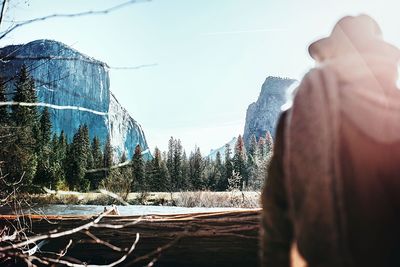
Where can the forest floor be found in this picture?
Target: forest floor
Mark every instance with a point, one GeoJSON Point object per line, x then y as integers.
{"type": "Point", "coordinates": [207, 199]}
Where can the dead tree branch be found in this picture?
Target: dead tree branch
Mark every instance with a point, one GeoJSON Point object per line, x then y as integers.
{"type": "Point", "coordinates": [29, 250]}
{"type": "Point", "coordinates": [73, 15]}
{"type": "Point", "coordinates": [3, 10]}
{"type": "Point", "coordinates": [87, 226]}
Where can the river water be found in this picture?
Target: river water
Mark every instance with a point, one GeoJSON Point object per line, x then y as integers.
{"type": "Point", "coordinates": [123, 210]}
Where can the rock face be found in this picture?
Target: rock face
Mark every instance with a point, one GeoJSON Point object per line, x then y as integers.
{"type": "Point", "coordinates": [262, 116]}
{"type": "Point", "coordinates": [76, 88]}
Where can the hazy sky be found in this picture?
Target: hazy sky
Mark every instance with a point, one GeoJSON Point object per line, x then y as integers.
{"type": "Point", "coordinates": [211, 56]}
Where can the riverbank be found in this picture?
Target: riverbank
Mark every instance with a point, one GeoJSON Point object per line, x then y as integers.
{"type": "Point", "coordinates": [206, 199]}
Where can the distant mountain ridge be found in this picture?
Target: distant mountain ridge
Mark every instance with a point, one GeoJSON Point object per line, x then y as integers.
{"type": "Point", "coordinates": [262, 115]}
{"type": "Point", "coordinates": [76, 88]}
{"type": "Point", "coordinates": [222, 149]}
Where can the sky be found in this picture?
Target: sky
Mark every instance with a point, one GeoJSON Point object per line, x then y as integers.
{"type": "Point", "coordinates": [206, 59]}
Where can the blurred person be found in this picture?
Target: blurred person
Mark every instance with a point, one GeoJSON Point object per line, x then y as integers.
{"type": "Point", "coordinates": [333, 186]}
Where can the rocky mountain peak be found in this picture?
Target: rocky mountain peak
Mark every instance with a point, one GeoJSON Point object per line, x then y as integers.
{"type": "Point", "coordinates": [262, 115]}
{"type": "Point", "coordinates": [76, 88]}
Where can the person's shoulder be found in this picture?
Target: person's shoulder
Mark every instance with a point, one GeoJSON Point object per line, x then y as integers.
{"type": "Point", "coordinates": [312, 85]}
{"type": "Point", "coordinates": [302, 88]}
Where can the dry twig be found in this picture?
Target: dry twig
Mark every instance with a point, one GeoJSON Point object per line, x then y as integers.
{"type": "Point", "coordinates": [73, 15]}
{"type": "Point", "coordinates": [15, 244]}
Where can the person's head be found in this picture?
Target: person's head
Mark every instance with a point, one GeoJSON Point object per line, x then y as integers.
{"type": "Point", "coordinates": [353, 35]}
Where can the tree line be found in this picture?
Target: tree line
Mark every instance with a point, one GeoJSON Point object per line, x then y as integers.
{"type": "Point", "coordinates": [237, 169]}
{"type": "Point", "coordinates": [174, 170]}
{"type": "Point", "coordinates": [34, 157]}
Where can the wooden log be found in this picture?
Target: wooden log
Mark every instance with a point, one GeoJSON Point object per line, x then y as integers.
{"type": "Point", "coordinates": [201, 239]}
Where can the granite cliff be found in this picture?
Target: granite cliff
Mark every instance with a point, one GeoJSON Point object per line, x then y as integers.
{"type": "Point", "coordinates": [262, 116]}
{"type": "Point", "coordinates": [76, 88]}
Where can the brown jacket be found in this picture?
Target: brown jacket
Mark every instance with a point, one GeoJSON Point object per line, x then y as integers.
{"type": "Point", "coordinates": [334, 180]}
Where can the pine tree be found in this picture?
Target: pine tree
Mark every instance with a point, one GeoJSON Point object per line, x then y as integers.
{"type": "Point", "coordinates": [77, 160]}
{"type": "Point", "coordinates": [164, 179]}
{"type": "Point", "coordinates": [85, 138]}
{"type": "Point", "coordinates": [62, 143]}
{"type": "Point", "coordinates": [56, 162]}
{"type": "Point", "coordinates": [218, 160]}
{"type": "Point", "coordinates": [170, 156]}
{"type": "Point", "coordinates": [253, 149]}
{"type": "Point", "coordinates": [239, 162]}
{"type": "Point", "coordinates": [261, 147]}
{"type": "Point", "coordinates": [177, 171]}
{"type": "Point", "coordinates": [71, 164]}
{"type": "Point", "coordinates": [195, 169]}
{"type": "Point", "coordinates": [45, 127]}
{"type": "Point", "coordinates": [126, 173]}
{"type": "Point", "coordinates": [158, 177]}
{"type": "Point", "coordinates": [185, 169]}
{"type": "Point", "coordinates": [90, 160]}
{"type": "Point", "coordinates": [253, 161]}
{"type": "Point", "coordinates": [62, 150]}
{"type": "Point", "coordinates": [147, 175]}
{"type": "Point", "coordinates": [22, 157]}
{"type": "Point", "coordinates": [138, 171]}
{"type": "Point", "coordinates": [210, 175]}
{"type": "Point", "coordinates": [174, 164]}
{"type": "Point", "coordinates": [87, 147]}
{"type": "Point", "coordinates": [97, 154]}
{"type": "Point", "coordinates": [44, 175]}
{"type": "Point", "coordinates": [228, 168]}
{"type": "Point", "coordinates": [269, 143]}
{"type": "Point", "coordinates": [95, 161]}
{"type": "Point", "coordinates": [220, 176]}
{"type": "Point", "coordinates": [84, 184]}
{"type": "Point", "coordinates": [107, 156]}
{"type": "Point", "coordinates": [24, 92]}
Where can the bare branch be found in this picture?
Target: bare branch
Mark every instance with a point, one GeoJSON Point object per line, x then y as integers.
{"type": "Point", "coordinates": [3, 10]}
{"type": "Point", "coordinates": [99, 241]}
{"type": "Point", "coordinates": [153, 256]}
{"type": "Point", "coordinates": [54, 235]}
{"type": "Point", "coordinates": [26, 253]}
{"type": "Point", "coordinates": [86, 13]}
{"type": "Point", "coordinates": [68, 263]}
{"type": "Point", "coordinates": [65, 250]}
{"type": "Point", "coordinates": [113, 195]}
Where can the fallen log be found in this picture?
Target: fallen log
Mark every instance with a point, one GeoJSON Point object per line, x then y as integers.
{"type": "Point", "coordinates": [227, 238]}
